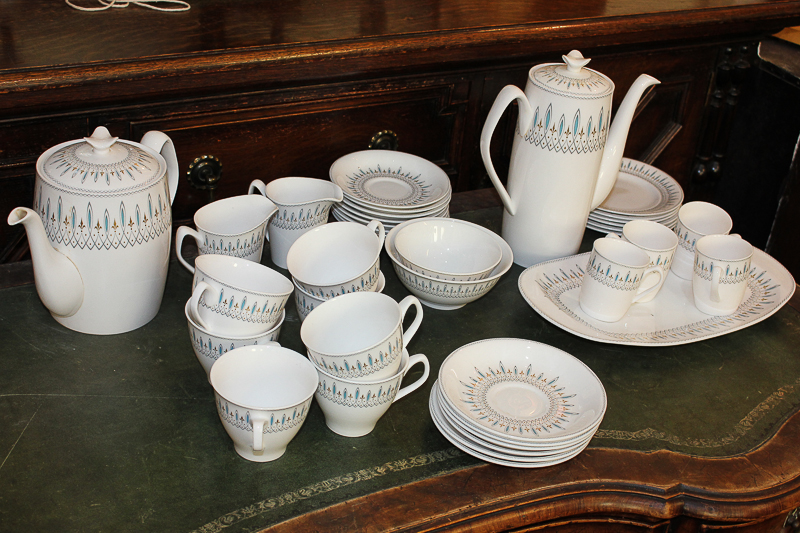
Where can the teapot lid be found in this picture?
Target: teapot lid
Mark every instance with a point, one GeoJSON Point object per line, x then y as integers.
{"type": "Point", "coordinates": [101, 164]}
{"type": "Point", "coordinates": [571, 78]}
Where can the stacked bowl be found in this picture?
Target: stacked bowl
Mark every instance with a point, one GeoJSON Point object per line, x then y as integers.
{"type": "Point", "coordinates": [389, 186]}
{"type": "Point", "coordinates": [516, 402]}
{"type": "Point", "coordinates": [234, 303]}
{"type": "Point", "coordinates": [358, 345]}
{"type": "Point", "coordinates": [447, 263]}
{"type": "Point", "coordinates": [333, 260]}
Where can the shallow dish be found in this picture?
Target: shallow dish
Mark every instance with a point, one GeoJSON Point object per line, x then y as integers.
{"type": "Point", "coordinates": [382, 178]}
{"type": "Point", "coordinates": [552, 289]}
{"type": "Point", "coordinates": [523, 389]}
{"type": "Point", "coordinates": [448, 249]}
{"type": "Point", "coordinates": [446, 295]}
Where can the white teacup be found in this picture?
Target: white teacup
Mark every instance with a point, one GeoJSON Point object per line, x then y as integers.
{"type": "Point", "coordinates": [303, 204]}
{"type": "Point", "coordinates": [613, 278]}
{"type": "Point", "coordinates": [696, 220]}
{"type": "Point", "coordinates": [305, 302]}
{"type": "Point", "coordinates": [232, 226]}
{"type": "Point", "coordinates": [359, 336]}
{"type": "Point", "coordinates": [233, 296]}
{"type": "Point", "coordinates": [352, 408]}
{"type": "Point", "coordinates": [208, 347]}
{"type": "Point", "coordinates": [337, 258]}
{"type": "Point", "coordinates": [658, 241]}
{"type": "Point", "coordinates": [263, 396]}
{"type": "Point", "coordinates": [721, 269]}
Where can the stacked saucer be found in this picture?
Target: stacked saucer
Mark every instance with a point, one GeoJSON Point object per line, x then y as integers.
{"type": "Point", "coordinates": [389, 186]}
{"type": "Point", "coordinates": [516, 402]}
{"type": "Point", "coordinates": [642, 192]}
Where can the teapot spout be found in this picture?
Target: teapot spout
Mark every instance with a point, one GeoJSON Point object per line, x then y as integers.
{"type": "Point", "coordinates": [58, 281]}
{"type": "Point", "coordinates": [617, 135]}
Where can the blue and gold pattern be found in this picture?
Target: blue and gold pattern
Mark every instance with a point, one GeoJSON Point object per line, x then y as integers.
{"type": "Point", "coordinates": [363, 366]}
{"type": "Point", "coordinates": [273, 425]}
{"type": "Point", "coordinates": [287, 219]}
{"type": "Point", "coordinates": [357, 185]}
{"type": "Point", "coordinates": [358, 398]}
{"type": "Point", "coordinates": [559, 410]}
{"type": "Point", "coordinates": [609, 274]}
{"type": "Point", "coordinates": [737, 275]}
{"type": "Point", "coordinates": [567, 136]}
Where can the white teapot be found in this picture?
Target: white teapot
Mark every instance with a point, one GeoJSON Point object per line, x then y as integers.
{"type": "Point", "coordinates": [100, 230]}
{"type": "Point", "coordinates": [565, 158]}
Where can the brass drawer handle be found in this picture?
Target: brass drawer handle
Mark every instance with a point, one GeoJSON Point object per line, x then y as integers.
{"type": "Point", "coordinates": [384, 140]}
{"type": "Point", "coordinates": [205, 172]}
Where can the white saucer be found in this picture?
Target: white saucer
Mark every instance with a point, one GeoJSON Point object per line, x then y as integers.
{"type": "Point", "coordinates": [642, 190]}
{"type": "Point", "coordinates": [552, 289]}
{"type": "Point", "coordinates": [385, 178]}
{"type": "Point", "coordinates": [522, 389]}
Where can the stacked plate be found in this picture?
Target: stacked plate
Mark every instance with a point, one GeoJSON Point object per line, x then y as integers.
{"type": "Point", "coordinates": [389, 186]}
{"type": "Point", "coordinates": [516, 402]}
{"type": "Point", "coordinates": [642, 192]}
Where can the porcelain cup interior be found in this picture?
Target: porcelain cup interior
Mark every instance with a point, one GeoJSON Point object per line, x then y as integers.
{"type": "Point", "coordinates": [303, 204]}
{"type": "Point", "coordinates": [353, 408]}
{"type": "Point", "coordinates": [234, 226]}
{"type": "Point", "coordinates": [612, 282]}
{"type": "Point", "coordinates": [233, 296]}
{"type": "Point", "coordinates": [658, 241]}
{"type": "Point", "coordinates": [263, 395]}
{"type": "Point", "coordinates": [208, 347]}
{"type": "Point", "coordinates": [448, 249]}
{"type": "Point", "coordinates": [721, 270]}
{"type": "Point", "coordinates": [337, 257]}
{"type": "Point", "coordinates": [696, 220]}
{"type": "Point", "coordinates": [360, 335]}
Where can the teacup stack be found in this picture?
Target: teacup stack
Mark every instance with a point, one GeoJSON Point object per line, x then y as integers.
{"type": "Point", "coordinates": [358, 346]}
{"type": "Point", "coordinates": [234, 303]}
{"type": "Point", "coordinates": [335, 259]}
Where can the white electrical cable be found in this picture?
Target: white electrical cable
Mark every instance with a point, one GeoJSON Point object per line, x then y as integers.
{"type": "Point", "coordinates": [179, 5]}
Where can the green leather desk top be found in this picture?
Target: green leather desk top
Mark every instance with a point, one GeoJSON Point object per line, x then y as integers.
{"type": "Point", "coordinates": [120, 433]}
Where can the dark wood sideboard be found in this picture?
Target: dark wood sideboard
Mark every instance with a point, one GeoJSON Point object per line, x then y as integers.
{"type": "Point", "coordinates": [250, 89]}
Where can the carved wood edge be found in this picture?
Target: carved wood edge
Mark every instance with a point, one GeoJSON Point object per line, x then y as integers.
{"type": "Point", "coordinates": [310, 61]}
{"type": "Point", "coordinates": [658, 485]}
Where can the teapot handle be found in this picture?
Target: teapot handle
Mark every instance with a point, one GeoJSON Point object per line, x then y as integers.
{"type": "Point", "coordinates": [162, 144]}
{"type": "Point", "coordinates": [503, 100]}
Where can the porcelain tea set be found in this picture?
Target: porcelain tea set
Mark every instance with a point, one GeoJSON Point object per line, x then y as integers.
{"type": "Point", "coordinates": [100, 231]}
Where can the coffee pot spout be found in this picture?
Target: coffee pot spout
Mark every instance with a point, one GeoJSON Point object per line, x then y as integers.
{"type": "Point", "coordinates": [58, 281]}
{"type": "Point", "coordinates": [617, 135]}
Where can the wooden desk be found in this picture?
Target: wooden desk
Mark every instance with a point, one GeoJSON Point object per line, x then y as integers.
{"type": "Point", "coordinates": [121, 433]}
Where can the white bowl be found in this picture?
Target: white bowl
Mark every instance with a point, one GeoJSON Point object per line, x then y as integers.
{"type": "Point", "coordinates": [448, 249]}
{"type": "Point", "coordinates": [337, 258]}
{"type": "Point", "coordinates": [208, 346]}
{"type": "Point", "coordinates": [307, 302]}
{"type": "Point", "coordinates": [446, 295]}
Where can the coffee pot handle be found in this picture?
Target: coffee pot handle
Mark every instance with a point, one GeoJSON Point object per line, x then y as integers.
{"type": "Point", "coordinates": [503, 100]}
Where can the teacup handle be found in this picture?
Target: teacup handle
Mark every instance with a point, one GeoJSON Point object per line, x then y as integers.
{"type": "Point", "coordinates": [194, 302]}
{"type": "Point", "coordinates": [258, 421]}
{"type": "Point", "coordinates": [181, 234]}
{"type": "Point", "coordinates": [257, 185]}
{"type": "Point", "coordinates": [661, 276]}
{"type": "Point", "coordinates": [405, 303]}
{"type": "Point", "coordinates": [413, 360]}
{"type": "Point", "coordinates": [377, 227]}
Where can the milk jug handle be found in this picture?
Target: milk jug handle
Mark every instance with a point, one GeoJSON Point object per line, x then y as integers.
{"type": "Point", "coordinates": [503, 100]}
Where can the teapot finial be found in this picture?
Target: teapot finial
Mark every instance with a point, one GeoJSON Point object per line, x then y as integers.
{"type": "Point", "coordinates": [575, 61]}
{"type": "Point", "coordinates": [101, 140]}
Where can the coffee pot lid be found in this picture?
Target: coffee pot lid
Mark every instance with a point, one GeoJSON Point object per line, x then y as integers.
{"type": "Point", "coordinates": [572, 78]}
{"type": "Point", "coordinates": [101, 164]}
